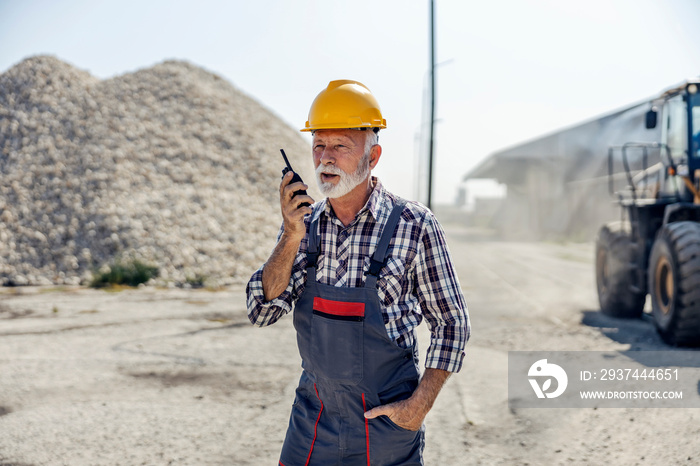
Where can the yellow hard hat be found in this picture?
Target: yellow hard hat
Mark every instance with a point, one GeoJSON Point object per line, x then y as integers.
{"type": "Point", "coordinates": [345, 104]}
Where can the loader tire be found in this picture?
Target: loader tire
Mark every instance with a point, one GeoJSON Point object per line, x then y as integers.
{"type": "Point", "coordinates": [674, 283]}
{"type": "Point", "coordinates": [614, 273]}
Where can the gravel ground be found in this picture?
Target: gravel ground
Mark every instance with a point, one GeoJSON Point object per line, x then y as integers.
{"type": "Point", "coordinates": [173, 376]}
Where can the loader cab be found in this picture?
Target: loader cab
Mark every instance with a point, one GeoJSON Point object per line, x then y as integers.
{"type": "Point", "coordinates": [679, 122]}
{"type": "Point", "coordinates": [680, 128]}
{"type": "Point", "coordinates": [674, 127]}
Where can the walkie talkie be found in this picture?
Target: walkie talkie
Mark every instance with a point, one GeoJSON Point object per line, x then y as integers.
{"type": "Point", "coordinates": [295, 178]}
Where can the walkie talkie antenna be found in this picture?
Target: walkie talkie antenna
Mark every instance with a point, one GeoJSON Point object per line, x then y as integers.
{"type": "Point", "coordinates": [295, 178]}
{"type": "Point", "coordinates": [285, 159]}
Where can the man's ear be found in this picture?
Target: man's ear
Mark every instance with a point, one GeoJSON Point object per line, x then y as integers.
{"type": "Point", "coordinates": [374, 154]}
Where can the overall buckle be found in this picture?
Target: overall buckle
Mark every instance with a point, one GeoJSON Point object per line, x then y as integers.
{"type": "Point", "coordinates": [374, 267]}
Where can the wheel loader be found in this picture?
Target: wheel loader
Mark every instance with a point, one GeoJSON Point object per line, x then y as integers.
{"type": "Point", "coordinates": [654, 248]}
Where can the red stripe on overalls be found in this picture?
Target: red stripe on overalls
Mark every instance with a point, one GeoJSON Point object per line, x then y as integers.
{"type": "Point", "coordinates": [308, 458]}
{"type": "Point", "coordinates": [339, 308]}
{"type": "Point", "coordinates": [364, 407]}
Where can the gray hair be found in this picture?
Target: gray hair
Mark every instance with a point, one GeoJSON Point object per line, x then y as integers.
{"type": "Point", "coordinates": [371, 140]}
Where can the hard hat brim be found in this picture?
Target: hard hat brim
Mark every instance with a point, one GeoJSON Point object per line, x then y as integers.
{"type": "Point", "coordinates": [309, 128]}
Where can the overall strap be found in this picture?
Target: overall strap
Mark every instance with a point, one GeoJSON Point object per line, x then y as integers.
{"type": "Point", "coordinates": [379, 257]}
{"type": "Point", "coordinates": [312, 251]}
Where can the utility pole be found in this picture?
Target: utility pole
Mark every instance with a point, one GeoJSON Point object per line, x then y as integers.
{"type": "Point", "coordinates": [431, 144]}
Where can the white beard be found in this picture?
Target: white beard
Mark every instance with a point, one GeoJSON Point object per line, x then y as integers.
{"type": "Point", "coordinates": [347, 181]}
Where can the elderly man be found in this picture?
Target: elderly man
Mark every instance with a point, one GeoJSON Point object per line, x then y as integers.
{"type": "Point", "coordinates": [361, 269]}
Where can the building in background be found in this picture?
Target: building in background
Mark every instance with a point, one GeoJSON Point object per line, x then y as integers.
{"type": "Point", "coordinates": [557, 184]}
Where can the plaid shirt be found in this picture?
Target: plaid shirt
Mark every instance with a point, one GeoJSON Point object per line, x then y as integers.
{"type": "Point", "coordinates": [418, 280]}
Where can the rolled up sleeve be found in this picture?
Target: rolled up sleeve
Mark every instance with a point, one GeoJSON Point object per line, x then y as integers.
{"type": "Point", "coordinates": [263, 313]}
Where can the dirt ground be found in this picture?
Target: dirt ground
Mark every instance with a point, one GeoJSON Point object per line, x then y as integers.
{"type": "Point", "coordinates": [159, 377]}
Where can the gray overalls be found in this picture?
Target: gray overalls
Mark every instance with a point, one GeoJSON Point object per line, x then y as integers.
{"type": "Point", "coordinates": [350, 366]}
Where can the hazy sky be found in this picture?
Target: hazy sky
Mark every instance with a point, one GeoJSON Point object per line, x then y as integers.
{"type": "Point", "coordinates": [510, 70]}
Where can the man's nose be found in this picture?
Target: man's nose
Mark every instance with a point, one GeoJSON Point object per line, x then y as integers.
{"type": "Point", "coordinates": [327, 157]}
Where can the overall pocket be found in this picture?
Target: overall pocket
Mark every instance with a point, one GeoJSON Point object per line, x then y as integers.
{"type": "Point", "coordinates": [406, 445]}
{"type": "Point", "coordinates": [337, 340]}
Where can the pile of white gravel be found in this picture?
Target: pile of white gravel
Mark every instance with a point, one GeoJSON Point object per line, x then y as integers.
{"type": "Point", "coordinates": [170, 165]}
